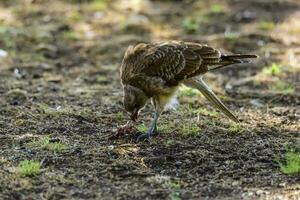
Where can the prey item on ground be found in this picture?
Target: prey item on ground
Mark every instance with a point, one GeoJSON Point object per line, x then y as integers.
{"type": "Point", "coordinates": [127, 129]}
{"type": "Point", "coordinates": [155, 71]}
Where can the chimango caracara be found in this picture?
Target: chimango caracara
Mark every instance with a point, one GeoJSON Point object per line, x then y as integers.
{"type": "Point", "coordinates": [155, 71]}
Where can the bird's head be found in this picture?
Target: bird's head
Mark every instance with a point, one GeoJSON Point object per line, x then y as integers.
{"type": "Point", "coordinates": [134, 99]}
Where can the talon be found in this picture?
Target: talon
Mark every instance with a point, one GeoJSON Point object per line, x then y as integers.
{"type": "Point", "coordinates": [143, 137]}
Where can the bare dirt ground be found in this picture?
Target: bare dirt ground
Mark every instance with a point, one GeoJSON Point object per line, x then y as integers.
{"type": "Point", "coordinates": [59, 78]}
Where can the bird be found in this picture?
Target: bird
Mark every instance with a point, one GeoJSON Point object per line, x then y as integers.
{"type": "Point", "coordinates": [154, 71]}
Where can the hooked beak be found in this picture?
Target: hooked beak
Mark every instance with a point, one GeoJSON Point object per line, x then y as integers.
{"type": "Point", "coordinates": [134, 115]}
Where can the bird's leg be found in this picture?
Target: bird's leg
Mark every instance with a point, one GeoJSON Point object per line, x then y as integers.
{"type": "Point", "coordinates": [155, 103]}
{"type": "Point", "coordinates": [155, 129]}
{"type": "Point", "coordinates": [152, 128]}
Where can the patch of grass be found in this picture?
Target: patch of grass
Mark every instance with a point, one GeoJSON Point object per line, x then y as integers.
{"type": "Point", "coordinates": [186, 109]}
{"type": "Point", "coordinates": [4, 29]}
{"type": "Point", "coordinates": [216, 8]}
{"type": "Point", "coordinates": [101, 79]}
{"type": "Point", "coordinates": [51, 112]}
{"type": "Point", "coordinates": [75, 16]}
{"type": "Point", "coordinates": [120, 115]}
{"type": "Point", "coordinates": [204, 111]}
{"type": "Point", "coordinates": [63, 110]}
{"type": "Point", "coordinates": [71, 35]}
{"type": "Point", "coordinates": [29, 168]}
{"type": "Point", "coordinates": [291, 165]}
{"type": "Point", "coordinates": [141, 128]}
{"type": "Point", "coordinates": [170, 142]}
{"type": "Point", "coordinates": [56, 146]}
{"type": "Point", "coordinates": [235, 128]}
{"type": "Point", "coordinates": [98, 5]}
{"type": "Point", "coordinates": [282, 87]}
{"type": "Point", "coordinates": [190, 25]}
{"type": "Point", "coordinates": [133, 26]}
{"type": "Point", "coordinates": [125, 25]}
{"type": "Point", "coordinates": [174, 188]}
{"type": "Point", "coordinates": [189, 92]}
{"type": "Point", "coordinates": [273, 70]}
{"type": "Point", "coordinates": [85, 92]}
{"type": "Point", "coordinates": [45, 143]}
{"type": "Point", "coordinates": [265, 25]}
{"type": "Point", "coordinates": [190, 130]}
{"type": "Point", "coordinates": [163, 127]}
{"type": "Point", "coordinates": [17, 95]}
{"type": "Point", "coordinates": [165, 182]}
{"type": "Point", "coordinates": [189, 110]}
{"type": "Point", "coordinates": [231, 37]}
{"type": "Point", "coordinates": [3, 160]}
{"type": "Point", "coordinates": [8, 36]}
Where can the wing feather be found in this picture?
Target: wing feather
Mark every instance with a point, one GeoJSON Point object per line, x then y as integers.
{"type": "Point", "coordinates": [172, 61]}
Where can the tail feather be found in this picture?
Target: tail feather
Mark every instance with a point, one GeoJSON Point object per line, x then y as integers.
{"type": "Point", "coordinates": [226, 60]}
{"type": "Point", "coordinates": [211, 97]}
{"type": "Point", "coordinates": [238, 56]}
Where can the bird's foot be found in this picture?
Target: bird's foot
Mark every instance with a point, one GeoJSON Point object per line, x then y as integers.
{"type": "Point", "coordinates": [146, 136]}
{"type": "Point", "coordinates": [143, 137]}
{"type": "Point", "coordinates": [151, 131]}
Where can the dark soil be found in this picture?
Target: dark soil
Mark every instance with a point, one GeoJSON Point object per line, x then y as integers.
{"type": "Point", "coordinates": [60, 79]}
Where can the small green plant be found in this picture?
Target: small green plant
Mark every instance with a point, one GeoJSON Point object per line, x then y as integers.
{"type": "Point", "coordinates": [29, 168]}
{"type": "Point", "coordinates": [163, 127]}
{"type": "Point", "coordinates": [142, 128]}
{"type": "Point", "coordinates": [45, 143]}
{"type": "Point", "coordinates": [190, 130]}
{"type": "Point", "coordinates": [189, 110]}
{"type": "Point", "coordinates": [235, 128]}
{"type": "Point", "coordinates": [186, 109]}
{"type": "Point", "coordinates": [165, 182]}
{"type": "Point", "coordinates": [273, 70]}
{"type": "Point", "coordinates": [54, 112]}
{"type": "Point", "coordinates": [17, 95]}
{"type": "Point", "coordinates": [216, 8]}
{"type": "Point", "coordinates": [190, 25]}
{"type": "Point", "coordinates": [98, 5]}
{"type": "Point", "coordinates": [282, 87]}
{"type": "Point", "coordinates": [71, 35]}
{"type": "Point", "coordinates": [265, 25]}
{"type": "Point", "coordinates": [189, 92]}
{"type": "Point", "coordinates": [48, 111]}
{"type": "Point", "coordinates": [204, 111]}
{"type": "Point", "coordinates": [291, 165]}
{"type": "Point", "coordinates": [130, 25]}
{"type": "Point", "coordinates": [231, 36]}
{"type": "Point", "coordinates": [75, 16]}
{"type": "Point", "coordinates": [4, 29]}
{"type": "Point", "coordinates": [55, 146]}
{"type": "Point", "coordinates": [170, 142]}
{"type": "Point", "coordinates": [120, 115]}
{"type": "Point", "coordinates": [7, 37]}
{"type": "Point", "coordinates": [101, 79]}
{"type": "Point", "coordinates": [174, 188]}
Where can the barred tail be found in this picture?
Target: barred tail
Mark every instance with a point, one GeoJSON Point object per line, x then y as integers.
{"type": "Point", "coordinates": [226, 60]}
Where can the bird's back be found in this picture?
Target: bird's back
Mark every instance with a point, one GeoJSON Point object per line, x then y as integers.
{"type": "Point", "coordinates": [172, 62]}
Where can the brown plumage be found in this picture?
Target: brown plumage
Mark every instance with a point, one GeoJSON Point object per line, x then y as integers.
{"type": "Point", "coordinates": [154, 71]}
